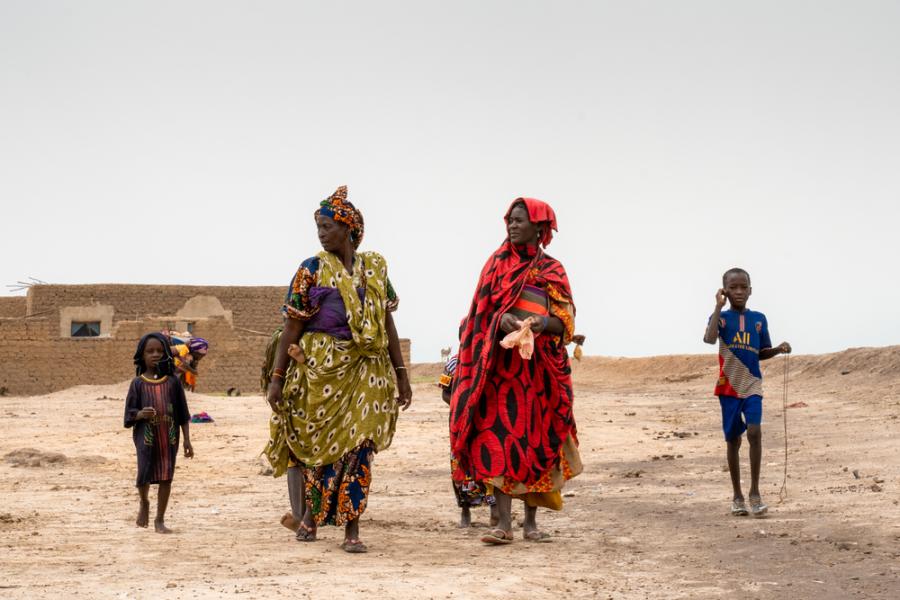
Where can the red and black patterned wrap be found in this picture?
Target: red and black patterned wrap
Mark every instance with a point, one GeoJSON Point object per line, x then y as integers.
{"type": "Point", "coordinates": [509, 417]}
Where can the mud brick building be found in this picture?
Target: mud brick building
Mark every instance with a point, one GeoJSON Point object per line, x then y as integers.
{"type": "Point", "coordinates": [64, 335]}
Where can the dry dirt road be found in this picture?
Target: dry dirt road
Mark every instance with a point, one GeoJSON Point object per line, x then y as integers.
{"type": "Point", "coordinates": [647, 519]}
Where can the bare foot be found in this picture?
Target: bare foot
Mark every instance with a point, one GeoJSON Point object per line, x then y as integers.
{"type": "Point", "coordinates": [160, 527]}
{"type": "Point", "coordinates": [290, 522]}
{"type": "Point", "coordinates": [143, 518]}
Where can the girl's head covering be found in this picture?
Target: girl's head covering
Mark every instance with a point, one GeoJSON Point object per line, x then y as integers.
{"type": "Point", "coordinates": [198, 345]}
{"type": "Point", "coordinates": [538, 212]}
{"type": "Point", "coordinates": [165, 366]}
{"type": "Point", "coordinates": [342, 210]}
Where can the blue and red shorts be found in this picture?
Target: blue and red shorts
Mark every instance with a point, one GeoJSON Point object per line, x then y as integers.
{"type": "Point", "coordinates": [738, 413]}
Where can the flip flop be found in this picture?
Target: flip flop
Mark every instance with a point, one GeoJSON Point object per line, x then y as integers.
{"type": "Point", "coordinates": [541, 537]}
{"type": "Point", "coordinates": [306, 534]}
{"type": "Point", "coordinates": [739, 509]}
{"type": "Point", "coordinates": [354, 546]}
{"type": "Point", "coordinates": [757, 507]}
{"type": "Point", "coordinates": [290, 522]}
{"type": "Point", "coordinates": [497, 537]}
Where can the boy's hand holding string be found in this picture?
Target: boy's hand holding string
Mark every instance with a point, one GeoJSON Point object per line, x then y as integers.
{"type": "Point", "coordinates": [767, 353]}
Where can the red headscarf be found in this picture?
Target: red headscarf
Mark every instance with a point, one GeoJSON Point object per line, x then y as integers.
{"type": "Point", "coordinates": [538, 212]}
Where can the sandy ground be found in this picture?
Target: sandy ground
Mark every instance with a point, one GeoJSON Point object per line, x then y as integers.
{"type": "Point", "coordinates": [647, 519]}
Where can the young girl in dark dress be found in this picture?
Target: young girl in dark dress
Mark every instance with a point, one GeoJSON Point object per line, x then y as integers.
{"type": "Point", "coordinates": [155, 408]}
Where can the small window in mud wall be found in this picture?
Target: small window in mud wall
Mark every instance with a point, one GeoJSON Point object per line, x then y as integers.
{"type": "Point", "coordinates": [190, 327]}
{"type": "Point", "coordinates": [85, 328]}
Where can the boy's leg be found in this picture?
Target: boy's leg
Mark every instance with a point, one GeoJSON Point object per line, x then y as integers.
{"type": "Point", "coordinates": [752, 410]}
{"type": "Point", "coordinates": [733, 428]}
{"type": "Point", "coordinates": [162, 502]}
{"type": "Point", "coordinates": [754, 437]}
{"type": "Point", "coordinates": [734, 466]}
{"type": "Point", "coordinates": [143, 518]}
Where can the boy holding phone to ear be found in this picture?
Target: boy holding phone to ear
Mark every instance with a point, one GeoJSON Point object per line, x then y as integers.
{"type": "Point", "coordinates": [743, 337]}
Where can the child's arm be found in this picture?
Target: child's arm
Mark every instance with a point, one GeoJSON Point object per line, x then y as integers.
{"type": "Point", "coordinates": [183, 417]}
{"type": "Point", "coordinates": [767, 353]}
{"type": "Point", "coordinates": [186, 433]}
{"type": "Point", "coordinates": [712, 328]}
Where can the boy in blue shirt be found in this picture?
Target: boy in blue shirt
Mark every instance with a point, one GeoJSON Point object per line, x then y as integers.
{"type": "Point", "coordinates": [743, 337]}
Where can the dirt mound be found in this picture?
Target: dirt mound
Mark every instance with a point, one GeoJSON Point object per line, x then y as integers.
{"type": "Point", "coordinates": [854, 361]}
{"type": "Point", "coordinates": [595, 371]}
{"type": "Point", "coordinates": [424, 372]}
{"type": "Point", "coordinates": [29, 457]}
{"type": "Point", "coordinates": [604, 371]}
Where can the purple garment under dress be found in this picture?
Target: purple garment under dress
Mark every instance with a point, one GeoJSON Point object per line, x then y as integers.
{"type": "Point", "coordinates": [331, 318]}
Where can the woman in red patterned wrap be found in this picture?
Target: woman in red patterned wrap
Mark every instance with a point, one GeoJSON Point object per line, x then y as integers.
{"type": "Point", "coordinates": [511, 421]}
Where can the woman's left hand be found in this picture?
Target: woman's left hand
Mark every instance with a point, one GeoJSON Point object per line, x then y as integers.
{"type": "Point", "coordinates": [404, 390]}
{"type": "Point", "coordinates": [539, 324]}
{"type": "Point", "coordinates": [188, 450]}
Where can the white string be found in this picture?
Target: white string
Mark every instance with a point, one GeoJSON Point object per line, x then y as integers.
{"type": "Point", "coordinates": [782, 494]}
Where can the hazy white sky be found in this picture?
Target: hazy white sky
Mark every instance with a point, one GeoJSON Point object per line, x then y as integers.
{"type": "Point", "coordinates": [674, 140]}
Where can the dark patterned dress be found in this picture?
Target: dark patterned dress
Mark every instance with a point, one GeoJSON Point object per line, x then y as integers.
{"type": "Point", "coordinates": [156, 440]}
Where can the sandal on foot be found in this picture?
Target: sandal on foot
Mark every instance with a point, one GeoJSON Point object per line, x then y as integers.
{"type": "Point", "coordinates": [290, 522]}
{"type": "Point", "coordinates": [354, 546]}
{"type": "Point", "coordinates": [306, 533]}
{"type": "Point", "coordinates": [537, 536]}
{"type": "Point", "coordinates": [497, 537]}
{"type": "Point", "coordinates": [758, 508]}
{"type": "Point", "coordinates": [739, 509]}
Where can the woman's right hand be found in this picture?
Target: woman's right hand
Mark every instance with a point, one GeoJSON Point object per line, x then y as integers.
{"type": "Point", "coordinates": [509, 323]}
{"type": "Point", "coordinates": [273, 394]}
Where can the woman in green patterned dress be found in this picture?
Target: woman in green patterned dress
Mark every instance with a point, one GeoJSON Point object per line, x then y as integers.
{"type": "Point", "coordinates": [335, 377]}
